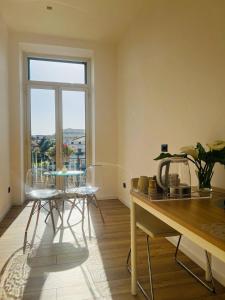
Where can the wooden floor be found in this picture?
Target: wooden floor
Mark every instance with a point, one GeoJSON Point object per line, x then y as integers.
{"type": "Point", "coordinates": [89, 264]}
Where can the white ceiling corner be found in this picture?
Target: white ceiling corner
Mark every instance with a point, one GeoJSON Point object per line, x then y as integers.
{"type": "Point", "coordinates": [98, 20]}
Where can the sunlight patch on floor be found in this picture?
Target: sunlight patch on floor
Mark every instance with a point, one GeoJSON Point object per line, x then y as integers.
{"type": "Point", "coordinates": [58, 265]}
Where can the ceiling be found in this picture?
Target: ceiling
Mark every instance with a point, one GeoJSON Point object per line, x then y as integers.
{"type": "Point", "coordinates": [99, 20]}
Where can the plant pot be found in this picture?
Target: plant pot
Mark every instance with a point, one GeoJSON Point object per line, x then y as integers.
{"type": "Point", "coordinates": [204, 178]}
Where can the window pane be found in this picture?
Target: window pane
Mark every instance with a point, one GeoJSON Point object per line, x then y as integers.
{"type": "Point", "coordinates": [74, 136]}
{"type": "Point", "coordinates": [43, 151]}
{"type": "Point", "coordinates": [56, 71]}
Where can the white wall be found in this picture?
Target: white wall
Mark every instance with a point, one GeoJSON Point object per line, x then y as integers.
{"type": "Point", "coordinates": [4, 122]}
{"type": "Point", "coordinates": [171, 86]}
{"type": "Point", "coordinates": [103, 101]}
{"type": "Point", "coordinates": [171, 70]}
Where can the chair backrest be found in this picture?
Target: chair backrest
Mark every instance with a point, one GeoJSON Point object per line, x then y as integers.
{"type": "Point", "coordinates": [103, 177]}
{"type": "Point", "coordinates": [38, 180]}
{"type": "Point", "coordinates": [92, 176]}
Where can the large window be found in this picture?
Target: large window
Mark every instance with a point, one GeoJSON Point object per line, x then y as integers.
{"type": "Point", "coordinates": [57, 113]}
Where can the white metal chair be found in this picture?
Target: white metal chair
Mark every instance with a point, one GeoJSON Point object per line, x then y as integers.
{"type": "Point", "coordinates": [40, 189]}
{"type": "Point", "coordinates": [155, 228]}
{"type": "Point", "coordinates": [90, 184]}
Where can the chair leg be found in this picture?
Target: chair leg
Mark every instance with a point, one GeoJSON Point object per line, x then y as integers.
{"type": "Point", "coordinates": [46, 218]}
{"type": "Point", "coordinates": [150, 273]}
{"type": "Point", "coordinates": [63, 207]}
{"type": "Point", "coordinates": [150, 268]}
{"type": "Point", "coordinates": [38, 212]}
{"type": "Point", "coordinates": [210, 271]}
{"type": "Point", "coordinates": [57, 208]}
{"type": "Point", "coordinates": [210, 288]}
{"type": "Point", "coordinates": [83, 211]}
{"type": "Point", "coordinates": [99, 208]}
{"type": "Point", "coordinates": [51, 214]}
{"type": "Point", "coordinates": [88, 215]}
{"type": "Point", "coordinates": [37, 219]}
{"type": "Point", "coordinates": [72, 207]}
{"type": "Point", "coordinates": [48, 214]}
{"type": "Point", "coordinates": [28, 224]}
{"type": "Point", "coordinates": [128, 258]}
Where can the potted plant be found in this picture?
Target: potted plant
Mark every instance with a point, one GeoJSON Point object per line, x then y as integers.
{"type": "Point", "coordinates": [67, 152]}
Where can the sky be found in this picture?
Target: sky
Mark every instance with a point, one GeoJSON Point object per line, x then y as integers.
{"type": "Point", "coordinates": [43, 100]}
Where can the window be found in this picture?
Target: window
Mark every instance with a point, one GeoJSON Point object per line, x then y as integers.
{"type": "Point", "coordinates": [57, 107]}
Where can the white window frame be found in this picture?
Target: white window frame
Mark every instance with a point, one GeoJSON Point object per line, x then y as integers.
{"type": "Point", "coordinates": [58, 87]}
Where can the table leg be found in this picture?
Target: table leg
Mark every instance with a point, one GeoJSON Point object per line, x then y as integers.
{"type": "Point", "coordinates": [64, 196]}
{"type": "Point", "coordinates": [51, 214]}
{"type": "Point", "coordinates": [133, 249]}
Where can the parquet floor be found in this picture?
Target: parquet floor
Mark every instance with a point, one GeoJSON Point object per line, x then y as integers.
{"type": "Point", "coordinates": [89, 264]}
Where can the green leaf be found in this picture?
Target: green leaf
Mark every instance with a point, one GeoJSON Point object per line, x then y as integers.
{"type": "Point", "coordinates": [202, 154]}
{"type": "Point", "coordinates": [216, 156]}
{"type": "Point", "coordinates": [212, 156]}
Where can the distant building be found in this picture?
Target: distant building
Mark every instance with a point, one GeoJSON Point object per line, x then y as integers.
{"type": "Point", "coordinates": [75, 138]}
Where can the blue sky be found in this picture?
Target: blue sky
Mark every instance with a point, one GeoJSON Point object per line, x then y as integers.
{"type": "Point", "coordinates": [43, 101]}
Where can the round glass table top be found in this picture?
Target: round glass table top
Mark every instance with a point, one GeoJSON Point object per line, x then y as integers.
{"type": "Point", "coordinates": [65, 173]}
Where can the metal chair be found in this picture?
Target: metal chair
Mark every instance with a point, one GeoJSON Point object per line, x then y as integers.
{"type": "Point", "coordinates": [155, 228]}
{"type": "Point", "coordinates": [40, 189]}
{"type": "Point", "coordinates": [90, 184]}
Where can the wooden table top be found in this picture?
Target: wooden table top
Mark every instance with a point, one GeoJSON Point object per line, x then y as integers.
{"type": "Point", "coordinates": [203, 217]}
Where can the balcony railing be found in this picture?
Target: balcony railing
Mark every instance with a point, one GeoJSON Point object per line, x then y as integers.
{"type": "Point", "coordinates": [71, 164]}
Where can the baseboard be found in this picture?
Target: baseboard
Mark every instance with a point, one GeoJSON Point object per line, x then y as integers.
{"type": "Point", "coordinates": [124, 202]}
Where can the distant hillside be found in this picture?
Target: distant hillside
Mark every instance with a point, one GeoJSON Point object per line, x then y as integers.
{"type": "Point", "coordinates": [74, 131]}
{"type": "Point", "coordinates": [67, 132]}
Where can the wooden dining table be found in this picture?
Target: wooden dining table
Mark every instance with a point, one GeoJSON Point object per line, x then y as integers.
{"type": "Point", "coordinates": [200, 219]}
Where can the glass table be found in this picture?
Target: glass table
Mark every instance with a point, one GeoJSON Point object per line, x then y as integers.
{"type": "Point", "coordinates": [65, 174]}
